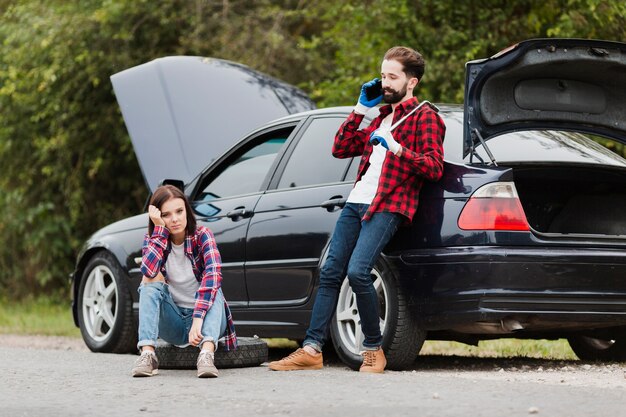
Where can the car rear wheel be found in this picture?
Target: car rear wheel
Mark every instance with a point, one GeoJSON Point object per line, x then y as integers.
{"type": "Point", "coordinates": [602, 348]}
{"type": "Point", "coordinates": [105, 312]}
{"type": "Point", "coordinates": [402, 338]}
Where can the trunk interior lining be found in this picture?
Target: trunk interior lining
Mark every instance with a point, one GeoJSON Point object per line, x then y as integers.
{"type": "Point", "coordinates": [573, 200]}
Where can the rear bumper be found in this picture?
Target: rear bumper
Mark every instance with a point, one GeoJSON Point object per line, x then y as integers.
{"type": "Point", "coordinates": [487, 289]}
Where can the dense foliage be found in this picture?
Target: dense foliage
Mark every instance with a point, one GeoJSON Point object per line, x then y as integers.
{"type": "Point", "coordinates": [68, 167]}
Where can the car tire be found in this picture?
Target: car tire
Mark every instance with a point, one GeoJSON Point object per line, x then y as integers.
{"type": "Point", "coordinates": [402, 337]}
{"type": "Point", "coordinates": [105, 315]}
{"type": "Point", "coordinates": [592, 348]}
{"type": "Point", "coordinates": [251, 351]}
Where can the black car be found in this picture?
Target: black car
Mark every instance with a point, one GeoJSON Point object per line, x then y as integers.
{"type": "Point", "coordinates": [524, 236]}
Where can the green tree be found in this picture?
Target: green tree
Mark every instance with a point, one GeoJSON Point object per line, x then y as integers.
{"type": "Point", "coordinates": [68, 166]}
{"type": "Point", "coordinates": [60, 141]}
{"type": "Point", "coordinates": [355, 35]}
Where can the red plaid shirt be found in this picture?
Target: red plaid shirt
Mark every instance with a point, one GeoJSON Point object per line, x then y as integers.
{"type": "Point", "coordinates": [401, 179]}
{"type": "Point", "coordinates": [206, 263]}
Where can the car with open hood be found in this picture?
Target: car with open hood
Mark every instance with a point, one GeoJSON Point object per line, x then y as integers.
{"type": "Point", "coordinates": [524, 236]}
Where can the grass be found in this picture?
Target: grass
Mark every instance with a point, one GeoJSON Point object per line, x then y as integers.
{"type": "Point", "coordinates": [503, 348]}
{"type": "Point", "coordinates": [45, 316]}
{"type": "Point", "coordinates": [500, 348]}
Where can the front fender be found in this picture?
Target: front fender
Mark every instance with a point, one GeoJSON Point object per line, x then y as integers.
{"type": "Point", "coordinates": [124, 245]}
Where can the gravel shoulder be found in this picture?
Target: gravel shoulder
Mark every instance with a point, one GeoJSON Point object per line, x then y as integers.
{"type": "Point", "coordinates": [571, 373]}
{"type": "Point", "coordinates": [49, 376]}
{"type": "Point", "coordinates": [42, 342]}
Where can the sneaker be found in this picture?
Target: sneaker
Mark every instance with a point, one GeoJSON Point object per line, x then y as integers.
{"type": "Point", "coordinates": [373, 361]}
{"type": "Point", "coordinates": [206, 365]}
{"type": "Point", "coordinates": [146, 365]}
{"type": "Point", "coordinates": [299, 360]}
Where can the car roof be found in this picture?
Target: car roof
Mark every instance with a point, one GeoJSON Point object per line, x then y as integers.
{"type": "Point", "coordinates": [345, 110]}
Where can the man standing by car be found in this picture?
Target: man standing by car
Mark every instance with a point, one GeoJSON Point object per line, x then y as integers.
{"type": "Point", "coordinates": [394, 165]}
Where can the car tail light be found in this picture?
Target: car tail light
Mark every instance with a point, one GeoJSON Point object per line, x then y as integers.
{"type": "Point", "coordinates": [494, 206]}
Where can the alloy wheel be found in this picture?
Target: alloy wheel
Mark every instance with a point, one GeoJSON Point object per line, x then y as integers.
{"type": "Point", "coordinates": [348, 318]}
{"type": "Point", "coordinates": [100, 303]}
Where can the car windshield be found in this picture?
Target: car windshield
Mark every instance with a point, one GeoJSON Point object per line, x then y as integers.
{"type": "Point", "coordinates": [552, 146]}
{"type": "Point", "coordinates": [534, 146]}
{"type": "Point", "coordinates": [246, 173]}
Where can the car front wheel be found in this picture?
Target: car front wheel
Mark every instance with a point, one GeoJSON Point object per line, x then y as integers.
{"type": "Point", "coordinates": [105, 312]}
{"type": "Point", "coordinates": [402, 338]}
{"type": "Point", "coordinates": [600, 347]}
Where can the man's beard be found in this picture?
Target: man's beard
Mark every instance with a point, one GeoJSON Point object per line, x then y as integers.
{"type": "Point", "coordinates": [392, 96]}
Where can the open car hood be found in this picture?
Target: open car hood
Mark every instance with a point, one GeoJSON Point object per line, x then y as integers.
{"type": "Point", "coordinates": [182, 112]}
{"type": "Point", "coordinates": [559, 84]}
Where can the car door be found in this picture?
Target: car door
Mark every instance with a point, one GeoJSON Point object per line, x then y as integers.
{"type": "Point", "coordinates": [293, 222]}
{"type": "Point", "coordinates": [225, 198]}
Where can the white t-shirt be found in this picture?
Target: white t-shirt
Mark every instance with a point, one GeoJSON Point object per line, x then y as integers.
{"type": "Point", "coordinates": [181, 279]}
{"type": "Point", "coordinates": [364, 191]}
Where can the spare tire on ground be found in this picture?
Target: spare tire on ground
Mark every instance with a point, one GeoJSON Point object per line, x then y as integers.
{"type": "Point", "coordinates": [251, 351]}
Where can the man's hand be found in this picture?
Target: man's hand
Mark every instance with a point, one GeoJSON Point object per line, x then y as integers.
{"type": "Point", "coordinates": [155, 215]}
{"type": "Point", "coordinates": [385, 138]}
{"type": "Point", "coordinates": [195, 333]}
{"type": "Point", "coordinates": [371, 95]}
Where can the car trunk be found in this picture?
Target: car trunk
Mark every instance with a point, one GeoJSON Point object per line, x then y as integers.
{"type": "Point", "coordinates": [547, 84]}
{"type": "Point", "coordinates": [573, 200]}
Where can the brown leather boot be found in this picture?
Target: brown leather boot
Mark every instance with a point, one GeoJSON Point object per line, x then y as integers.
{"type": "Point", "coordinates": [373, 361]}
{"type": "Point", "coordinates": [299, 360]}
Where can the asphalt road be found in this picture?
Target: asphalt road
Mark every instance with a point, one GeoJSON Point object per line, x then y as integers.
{"type": "Point", "coordinates": [47, 382]}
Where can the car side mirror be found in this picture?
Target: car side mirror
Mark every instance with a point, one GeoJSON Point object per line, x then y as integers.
{"type": "Point", "coordinates": [176, 183]}
{"type": "Point", "coordinates": [206, 210]}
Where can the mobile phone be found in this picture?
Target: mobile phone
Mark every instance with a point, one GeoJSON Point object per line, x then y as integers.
{"type": "Point", "coordinates": [374, 91]}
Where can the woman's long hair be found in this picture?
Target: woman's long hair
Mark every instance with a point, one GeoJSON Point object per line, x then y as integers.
{"type": "Point", "coordinates": [165, 193]}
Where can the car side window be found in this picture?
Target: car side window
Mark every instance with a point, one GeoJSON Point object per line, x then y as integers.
{"type": "Point", "coordinates": [312, 162]}
{"type": "Point", "coordinates": [453, 141]}
{"type": "Point", "coordinates": [353, 170]}
{"type": "Point", "coordinates": [247, 168]}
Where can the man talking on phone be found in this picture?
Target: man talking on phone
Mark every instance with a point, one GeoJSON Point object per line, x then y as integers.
{"type": "Point", "coordinates": [399, 150]}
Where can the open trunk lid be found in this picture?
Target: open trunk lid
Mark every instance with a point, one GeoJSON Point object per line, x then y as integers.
{"type": "Point", "coordinates": [559, 84]}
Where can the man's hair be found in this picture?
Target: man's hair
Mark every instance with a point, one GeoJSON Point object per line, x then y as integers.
{"type": "Point", "coordinates": [412, 61]}
{"type": "Point", "coordinates": [165, 193]}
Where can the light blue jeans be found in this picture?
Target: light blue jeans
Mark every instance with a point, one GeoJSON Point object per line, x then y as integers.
{"type": "Point", "coordinates": [160, 317]}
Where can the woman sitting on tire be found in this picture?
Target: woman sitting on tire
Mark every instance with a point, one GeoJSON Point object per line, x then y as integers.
{"type": "Point", "coordinates": [180, 296]}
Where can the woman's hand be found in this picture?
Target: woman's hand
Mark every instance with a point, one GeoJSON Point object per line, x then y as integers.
{"type": "Point", "coordinates": [195, 334]}
{"type": "Point", "coordinates": [155, 215]}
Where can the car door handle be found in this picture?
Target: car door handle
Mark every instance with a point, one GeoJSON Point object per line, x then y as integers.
{"type": "Point", "coordinates": [336, 201]}
{"type": "Point", "coordinates": [239, 212]}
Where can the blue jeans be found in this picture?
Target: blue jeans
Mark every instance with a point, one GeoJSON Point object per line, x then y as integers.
{"type": "Point", "coordinates": [354, 249]}
{"type": "Point", "coordinates": [160, 317]}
